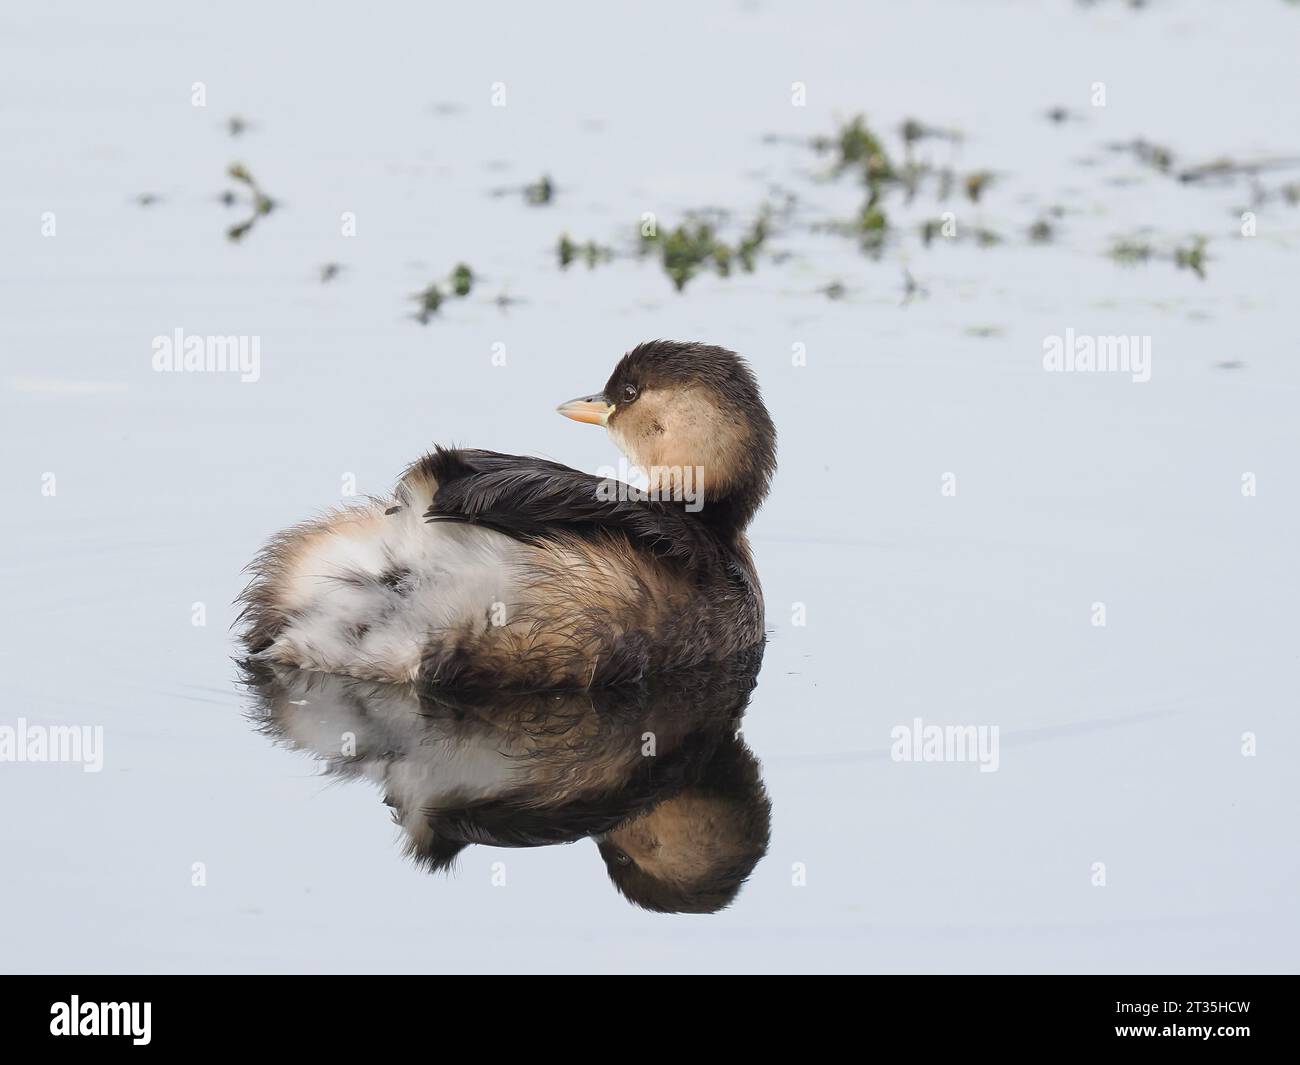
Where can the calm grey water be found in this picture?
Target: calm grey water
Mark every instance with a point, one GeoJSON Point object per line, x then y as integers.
{"type": "Point", "coordinates": [1120, 744]}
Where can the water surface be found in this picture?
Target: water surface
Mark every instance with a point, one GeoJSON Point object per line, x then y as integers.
{"type": "Point", "coordinates": [888, 600]}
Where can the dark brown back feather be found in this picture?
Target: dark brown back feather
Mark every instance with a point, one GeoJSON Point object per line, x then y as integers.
{"type": "Point", "coordinates": [532, 499]}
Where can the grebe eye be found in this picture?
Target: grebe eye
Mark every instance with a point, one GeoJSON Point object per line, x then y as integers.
{"type": "Point", "coordinates": [619, 856]}
{"type": "Point", "coordinates": [629, 393]}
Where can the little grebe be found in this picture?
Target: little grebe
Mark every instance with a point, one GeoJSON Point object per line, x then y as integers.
{"type": "Point", "coordinates": [654, 773]}
{"type": "Point", "coordinates": [485, 569]}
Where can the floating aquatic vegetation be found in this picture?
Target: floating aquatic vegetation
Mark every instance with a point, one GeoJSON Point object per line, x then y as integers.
{"type": "Point", "coordinates": [931, 228]}
{"type": "Point", "coordinates": [431, 298]}
{"type": "Point", "coordinates": [976, 183]}
{"type": "Point", "coordinates": [240, 173]}
{"type": "Point", "coordinates": [859, 149]}
{"type": "Point", "coordinates": [701, 243]}
{"type": "Point", "coordinates": [1192, 257]}
{"type": "Point", "coordinates": [754, 238]}
{"type": "Point", "coordinates": [462, 280]}
{"type": "Point", "coordinates": [834, 291]}
{"type": "Point", "coordinates": [236, 125]}
{"type": "Point", "coordinates": [329, 272]}
{"type": "Point", "coordinates": [872, 219]}
{"type": "Point", "coordinates": [593, 253]}
{"type": "Point", "coordinates": [1060, 115]}
{"type": "Point", "coordinates": [856, 147]}
{"type": "Point", "coordinates": [1222, 169]}
{"type": "Point", "coordinates": [912, 130]}
{"type": "Point", "coordinates": [911, 174]}
{"type": "Point", "coordinates": [1130, 252]}
{"type": "Point", "coordinates": [1227, 169]}
{"type": "Point", "coordinates": [873, 229]}
{"type": "Point", "coordinates": [261, 204]}
{"type": "Point", "coordinates": [894, 173]}
{"type": "Point", "coordinates": [539, 192]}
{"type": "Point", "coordinates": [689, 248]}
{"type": "Point", "coordinates": [911, 288]}
{"type": "Point", "coordinates": [1156, 156]}
{"type": "Point", "coordinates": [148, 199]}
{"type": "Point", "coordinates": [589, 252]}
{"type": "Point", "coordinates": [694, 246]}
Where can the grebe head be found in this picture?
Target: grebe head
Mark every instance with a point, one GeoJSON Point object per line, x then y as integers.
{"type": "Point", "coordinates": [692, 852]}
{"type": "Point", "coordinates": [692, 418]}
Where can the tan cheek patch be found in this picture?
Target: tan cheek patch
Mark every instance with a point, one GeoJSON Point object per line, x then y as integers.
{"type": "Point", "coordinates": [688, 428]}
{"type": "Point", "coordinates": [679, 840]}
{"type": "Point", "coordinates": [640, 430]}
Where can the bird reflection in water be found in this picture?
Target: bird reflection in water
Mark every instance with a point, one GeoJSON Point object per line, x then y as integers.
{"type": "Point", "coordinates": [655, 773]}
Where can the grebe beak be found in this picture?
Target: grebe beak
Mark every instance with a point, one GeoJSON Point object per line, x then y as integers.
{"type": "Point", "coordinates": [594, 410]}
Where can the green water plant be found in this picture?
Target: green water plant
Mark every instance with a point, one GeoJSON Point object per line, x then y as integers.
{"type": "Point", "coordinates": [1191, 257]}
{"type": "Point", "coordinates": [457, 285]}
{"type": "Point", "coordinates": [695, 246]}
{"type": "Point", "coordinates": [1130, 251]}
{"type": "Point", "coordinates": [540, 192]}
{"type": "Point", "coordinates": [462, 280]}
{"type": "Point", "coordinates": [260, 203]}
